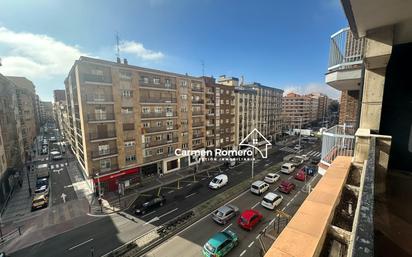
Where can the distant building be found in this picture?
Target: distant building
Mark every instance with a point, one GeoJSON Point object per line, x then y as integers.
{"type": "Point", "coordinates": [297, 110]}
{"type": "Point", "coordinates": [46, 112]}
{"type": "Point", "coordinates": [59, 95]}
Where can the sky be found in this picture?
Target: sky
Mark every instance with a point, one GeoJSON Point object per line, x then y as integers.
{"type": "Point", "coordinates": [282, 44]}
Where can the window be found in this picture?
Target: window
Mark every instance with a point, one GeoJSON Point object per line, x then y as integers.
{"type": "Point", "coordinates": [147, 153]}
{"type": "Point", "coordinates": [183, 83]}
{"type": "Point", "coordinates": [127, 93]}
{"type": "Point", "coordinates": [170, 150]}
{"type": "Point", "coordinates": [159, 124]}
{"type": "Point", "coordinates": [127, 75]}
{"type": "Point", "coordinates": [146, 125]}
{"type": "Point", "coordinates": [128, 126]}
{"type": "Point", "coordinates": [156, 81]}
{"type": "Point", "coordinates": [105, 164]}
{"type": "Point", "coordinates": [103, 149]}
{"type": "Point", "coordinates": [158, 109]}
{"type": "Point", "coordinates": [146, 110]}
{"type": "Point", "coordinates": [97, 72]}
{"type": "Point", "coordinates": [159, 151]}
{"type": "Point", "coordinates": [158, 137]}
{"type": "Point", "coordinates": [130, 158]}
{"type": "Point", "coordinates": [184, 97]}
{"type": "Point", "coordinates": [145, 80]}
{"type": "Point", "coordinates": [129, 144]}
{"type": "Point", "coordinates": [127, 110]}
{"type": "Point", "coordinates": [184, 146]}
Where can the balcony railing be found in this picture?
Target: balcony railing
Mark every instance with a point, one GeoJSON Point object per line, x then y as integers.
{"type": "Point", "coordinates": [159, 129]}
{"type": "Point", "coordinates": [198, 124]}
{"type": "Point", "coordinates": [345, 50]}
{"type": "Point", "coordinates": [196, 113]}
{"type": "Point", "coordinates": [98, 154]}
{"type": "Point", "coordinates": [198, 135]}
{"type": "Point", "coordinates": [161, 142]}
{"type": "Point", "coordinates": [97, 78]}
{"type": "Point", "coordinates": [99, 98]}
{"type": "Point", "coordinates": [100, 116]}
{"type": "Point", "coordinates": [102, 135]}
{"type": "Point", "coordinates": [339, 140]}
{"type": "Point", "coordinates": [161, 85]}
{"type": "Point", "coordinates": [200, 101]}
{"type": "Point", "coordinates": [159, 115]}
{"type": "Point", "coordinates": [156, 157]}
{"type": "Point", "coordinates": [197, 89]}
{"type": "Point", "coordinates": [158, 100]}
{"type": "Point", "coordinates": [198, 146]}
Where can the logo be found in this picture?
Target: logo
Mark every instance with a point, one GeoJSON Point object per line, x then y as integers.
{"type": "Point", "coordinates": [251, 143]}
{"type": "Point", "coordinates": [253, 137]}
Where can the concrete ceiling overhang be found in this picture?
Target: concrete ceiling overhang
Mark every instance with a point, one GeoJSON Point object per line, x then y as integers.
{"type": "Point", "coordinates": [364, 15]}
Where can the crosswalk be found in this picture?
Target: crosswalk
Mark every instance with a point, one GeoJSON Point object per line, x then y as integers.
{"type": "Point", "coordinates": [312, 153]}
{"type": "Point", "coordinates": [58, 165]}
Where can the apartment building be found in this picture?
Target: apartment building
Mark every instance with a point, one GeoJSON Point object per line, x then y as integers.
{"type": "Point", "coordinates": [297, 110]}
{"type": "Point", "coordinates": [256, 107]}
{"type": "Point", "coordinates": [10, 136]}
{"type": "Point", "coordinates": [46, 112]}
{"type": "Point", "coordinates": [370, 169]}
{"type": "Point", "coordinates": [26, 99]}
{"type": "Point", "coordinates": [59, 95]}
{"type": "Point", "coordinates": [126, 121]}
{"type": "Point", "coordinates": [220, 115]}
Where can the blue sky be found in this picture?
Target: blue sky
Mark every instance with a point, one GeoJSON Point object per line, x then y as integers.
{"type": "Point", "coordinates": [282, 44]}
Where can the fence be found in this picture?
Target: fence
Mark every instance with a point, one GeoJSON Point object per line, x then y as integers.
{"type": "Point", "coordinates": [339, 140]}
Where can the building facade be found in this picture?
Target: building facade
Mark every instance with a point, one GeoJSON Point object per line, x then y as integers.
{"type": "Point", "coordinates": [26, 99]}
{"type": "Point", "coordinates": [46, 112]}
{"type": "Point", "coordinates": [220, 115]}
{"type": "Point", "coordinates": [297, 110]}
{"type": "Point", "coordinates": [126, 121]}
{"type": "Point", "coordinates": [59, 95]}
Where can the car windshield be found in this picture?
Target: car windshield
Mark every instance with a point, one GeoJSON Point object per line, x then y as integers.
{"type": "Point", "coordinates": [219, 214]}
{"type": "Point", "coordinates": [40, 200]}
{"type": "Point", "coordinates": [216, 181]}
{"type": "Point", "coordinates": [243, 220]}
{"type": "Point", "coordinates": [255, 187]}
{"type": "Point", "coordinates": [268, 200]}
{"type": "Point", "coordinates": [209, 248]}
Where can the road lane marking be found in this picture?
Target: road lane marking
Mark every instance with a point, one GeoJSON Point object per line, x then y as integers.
{"type": "Point", "coordinates": [167, 213]}
{"type": "Point", "coordinates": [241, 254]}
{"type": "Point", "coordinates": [152, 220]}
{"type": "Point", "coordinates": [171, 191]}
{"type": "Point", "coordinates": [250, 245]}
{"type": "Point", "coordinates": [192, 194]}
{"type": "Point", "coordinates": [147, 214]}
{"type": "Point", "coordinates": [255, 205]}
{"type": "Point", "coordinates": [290, 177]}
{"type": "Point", "coordinates": [188, 185]}
{"type": "Point", "coordinates": [227, 227]}
{"type": "Point", "coordinates": [85, 242]}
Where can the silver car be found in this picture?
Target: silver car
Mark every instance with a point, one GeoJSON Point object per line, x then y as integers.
{"type": "Point", "coordinates": [225, 213]}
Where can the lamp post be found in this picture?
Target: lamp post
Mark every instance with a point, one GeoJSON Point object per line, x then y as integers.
{"type": "Point", "coordinates": [99, 192]}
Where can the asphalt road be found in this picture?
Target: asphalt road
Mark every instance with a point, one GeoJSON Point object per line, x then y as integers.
{"type": "Point", "coordinates": [111, 232]}
{"type": "Point", "coordinates": [190, 241]}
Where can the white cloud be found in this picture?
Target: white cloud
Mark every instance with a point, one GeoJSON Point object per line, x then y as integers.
{"type": "Point", "coordinates": [35, 55]}
{"type": "Point", "coordinates": [312, 88]}
{"type": "Point", "coordinates": [140, 51]}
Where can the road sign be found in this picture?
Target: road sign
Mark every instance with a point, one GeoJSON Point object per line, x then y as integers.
{"type": "Point", "coordinates": [63, 196]}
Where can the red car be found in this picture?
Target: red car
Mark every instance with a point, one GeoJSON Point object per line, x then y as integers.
{"type": "Point", "coordinates": [249, 218]}
{"type": "Point", "coordinates": [286, 187]}
{"type": "Point", "coordinates": [300, 175]}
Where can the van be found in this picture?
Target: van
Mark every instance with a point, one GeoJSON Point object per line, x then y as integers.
{"type": "Point", "coordinates": [259, 187]}
{"type": "Point", "coordinates": [218, 181]}
{"type": "Point", "coordinates": [287, 168]}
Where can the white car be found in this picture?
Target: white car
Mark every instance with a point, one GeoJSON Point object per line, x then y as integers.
{"type": "Point", "coordinates": [271, 200]}
{"type": "Point", "coordinates": [259, 187]}
{"type": "Point", "coordinates": [271, 178]}
{"type": "Point", "coordinates": [218, 181]}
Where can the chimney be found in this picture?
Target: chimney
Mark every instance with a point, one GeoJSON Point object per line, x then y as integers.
{"type": "Point", "coordinates": [125, 61]}
{"type": "Point", "coordinates": [118, 60]}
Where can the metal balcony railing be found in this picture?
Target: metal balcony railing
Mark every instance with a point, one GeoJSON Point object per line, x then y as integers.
{"type": "Point", "coordinates": [158, 100]}
{"type": "Point", "coordinates": [339, 140]}
{"type": "Point", "coordinates": [197, 113]}
{"type": "Point", "coordinates": [98, 154]}
{"type": "Point", "coordinates": [151, 84]}
{"type": "Point", "coordinates": [200, 101]}
{"type": "Point", "coordinates": [197, 89]}
{"type": "Point", "coordinates": [99, 98]}
{"type": "Point", "coordinates": [100, 116]}
{"type": "Point", "coordinates": [159, 115]}
{"type": "Point", "coordinates": [161, 142]}
{"type": "Point", "coordinates": [96, 78]}
{"type": "Point", "coordinates": [198, 124]}
{"type": "Point", "coordinates": [159, 129]}
{"type": "Point", "coordinates": [345, 50]}
{"type": "Point", "coordinates": [102, 135]}
{"type": "Point", "coordinates": [198, 135]}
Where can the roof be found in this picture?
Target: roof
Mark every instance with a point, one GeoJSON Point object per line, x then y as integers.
{"type": "Point", "coordinates": [221, 176]}
{"type": "Point", "coordinates": [217, 239]}
{"type": "Point", "coordinates": [270, 196]}
{"type": "Point", "coordinates": [248, 214]}
{"type": "Point", "coordinates": [22, 83]}
{"type": "Point", "coordinates": [258, 183]}
{"type": "Point", "coordinates": [224, 209]}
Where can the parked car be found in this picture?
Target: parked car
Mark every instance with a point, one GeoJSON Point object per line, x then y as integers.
{"type": "Point", "coordinates": [218, 181]}
{"type": "Point", "coordinates": [287, 168]}
{"type": "Point", "coordinates": [300, 175]}
{"type": "Point", "coordinates": [259, 187]}
{"type": "Point", "coordinates": [56, 155]}
{"type": "Point", "coordinates": [52, 139]}
{"type": "Point", "coordinates": [315, 160]}
{"type": "Point", "coordinates": [42, 186]}
{"type": "Point", "coordinates": [271, 178]}
{"type": "Point", "coordinates": [225, 213]}
{"type": "Point", "coordinates": [286, 187]}
{"type": "Point", "coordinates": [39, 201]}
{"type": "Point", "coordinates": [150, 205]}
{"type": "Point", "coordinates": [220, 244]}
{"type": "Point", "coordinates": [310, 170]}
{"type": "Point", "coordinates": [249, 218]}
{"type": "Point", "coordinates": [271, 200]}
{"type": "Point", "coordinates": [44, 151]}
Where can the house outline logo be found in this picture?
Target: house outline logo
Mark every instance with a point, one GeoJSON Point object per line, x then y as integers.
{"type": "Point", "coordinates": [255, 141]}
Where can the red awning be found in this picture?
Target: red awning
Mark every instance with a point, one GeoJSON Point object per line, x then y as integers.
{"type": "Point", "coordinates": [116, 175]}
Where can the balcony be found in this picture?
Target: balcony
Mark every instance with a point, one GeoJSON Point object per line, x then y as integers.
{"type": "Point", "coordinates": [151, 85]}
{"type": "Point", "coordinates": [338, 140]}
{"type": "Point", "coordinates": [200, 101]}
{"type": "Point", "coordinates": [198, 146]}
{"type": "Point", "coordinates": [97, 79]}
{"type": "Point", "coordinates": [210, 103]}
{"type": "Point", "coordinates": [209, 125]}
{"type": "Point", "coordinates": [108, 135]}
{"type": "Point", "coordinates": [197, 113]}
{"type": "Point", "coordinates": [198, 124]}
{"type": "Point", "coordinates": [100, 117]}
{"type": "Point", "coordinates": [157, 157]}
{"type": "Point", "coordinates": [160, 129]}
{"type": "Point", "coordinates": [101, 171]}
{"type": "Point", "coordinates": [99, 99]}
{"type": "Point", "coordinates": [103, 154]}
{"type": "Point", "coordinates": [345, 61]}
{"type": "Point", "coordinates": [158, 100]}
{"type": "Point", "coordinates": [154, 143]}
{"type": "Point", "coordinates": [197, 135]}
{"type": "Point", "coordinates": [158, 115]}
{"type": "Point", "coordinates": [197, 89]}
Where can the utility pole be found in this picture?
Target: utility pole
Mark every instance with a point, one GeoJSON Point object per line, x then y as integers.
{"type": "Point", "coordinates": [300, 129]}
{"type": "Point", "coordinates": [100, 192]}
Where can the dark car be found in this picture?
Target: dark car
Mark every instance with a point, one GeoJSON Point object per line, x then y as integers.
{"type": "Point", "coordinates": [315, 160]}
{"type": "Point", "coordinates": [151, 204]}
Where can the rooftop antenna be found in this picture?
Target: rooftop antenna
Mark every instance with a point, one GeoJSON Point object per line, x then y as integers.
{"type": "Point", "coordinates": [203, 67]}
{"type": "Point", "coordinates": [117, 45]}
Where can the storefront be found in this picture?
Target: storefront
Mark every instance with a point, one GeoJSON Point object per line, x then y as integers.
{"type": "Point", "coordinates": [110, 183]}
